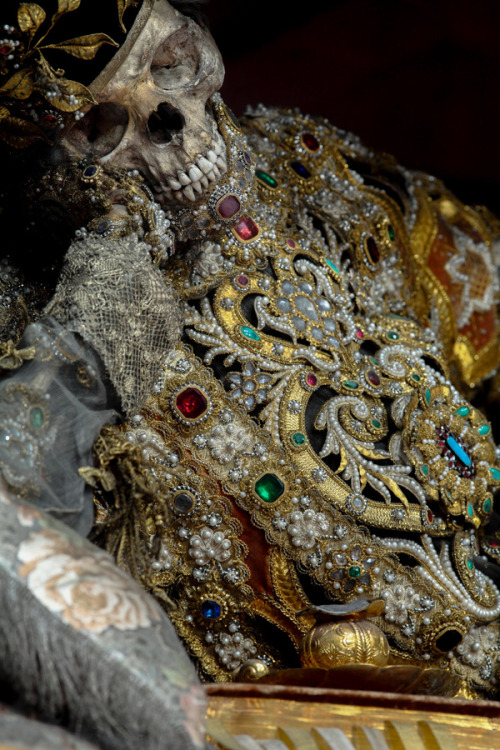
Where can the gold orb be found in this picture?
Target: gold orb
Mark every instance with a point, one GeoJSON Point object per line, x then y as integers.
{"type": "Point", "coordinates": [331, 644]}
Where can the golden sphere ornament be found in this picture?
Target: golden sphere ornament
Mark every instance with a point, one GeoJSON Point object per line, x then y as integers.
{"type": "Point", "coordinates": [350, 640]}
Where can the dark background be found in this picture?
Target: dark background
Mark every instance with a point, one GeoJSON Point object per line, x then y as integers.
{"type": "Point", "coordinates": [416, 78]}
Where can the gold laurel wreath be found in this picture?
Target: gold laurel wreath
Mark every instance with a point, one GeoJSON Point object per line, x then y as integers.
{"type": "Point", "coordinates": [35, 98]}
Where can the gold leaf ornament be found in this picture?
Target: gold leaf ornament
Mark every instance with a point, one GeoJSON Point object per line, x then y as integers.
{"type": "Point", "coordinates": [123, 5]}
{"type": "Point", "coordinates": [65, 6]}
{"type": "Point", "coordinates": [83, 47]}
{"type": "Point", "coordinates": [20, 133]}
{"type": "Point", "coordinates": [73, 96]}
{"type": "Point", "coordinates": [30, 17]}
{"type": "Point", "coordinates": [20, 85]}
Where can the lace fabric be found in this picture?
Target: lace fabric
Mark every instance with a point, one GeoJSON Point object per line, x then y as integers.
{"type": "Point", "coordinates": [116, 299]}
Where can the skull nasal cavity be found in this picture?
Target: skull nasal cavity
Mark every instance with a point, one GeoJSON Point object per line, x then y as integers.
{"type": "Point", "coordinates": [165, 123]}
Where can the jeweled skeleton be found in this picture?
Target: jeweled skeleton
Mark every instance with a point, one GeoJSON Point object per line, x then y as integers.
{"type": "Point", "coordinates": [307, 440]}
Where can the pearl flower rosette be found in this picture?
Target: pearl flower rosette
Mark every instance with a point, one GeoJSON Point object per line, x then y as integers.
{"type": "Point", "coordinates": [450, 446]}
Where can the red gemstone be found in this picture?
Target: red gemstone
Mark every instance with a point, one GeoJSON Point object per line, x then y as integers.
{"type": "Point", "coordinates": [242, 280]}
{"type": "Point", "coordinates": [5, 49]}
{"type": "Point", "coordinates": [51, 119]}
{"type": "Point", "coordinates": [493, 543]}
{"type": "Point", "coordinates": [310, 142]}
{"type": "Point", "coordinates": [246, 229]}
{"type": "Point", "coordinates": [228, 207]}
{"type": "Point", "coordinates": [430, 516]}
{"type": "Point", "coordinates": [372, 250]}
{"type": "Point", "coordinates": [311, 379]}
{"type": "Point", "coordinates": [373, 378]}
{"type": "Point", "coordinates": [191, 403]}
{"type": "Point", "coordinates": [359, 333]}
{"type": "Point", "coordinates": [291, 244]}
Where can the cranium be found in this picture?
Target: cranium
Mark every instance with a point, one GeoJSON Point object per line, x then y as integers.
{"type": "Point", "coordinates": [153, 113]}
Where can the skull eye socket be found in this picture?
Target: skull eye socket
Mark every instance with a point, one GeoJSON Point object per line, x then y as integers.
{"type": "Point", "coordinates": [176, 61]}
{"type": "Point", "coordinates": [101, 130]}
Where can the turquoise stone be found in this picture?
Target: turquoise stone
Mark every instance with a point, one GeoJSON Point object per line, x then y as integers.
{"type": "Point", "coordinates": [376, 423]}
{"type": "Point", "coordinates": [470, 563]}
{"type": "Point", "coordinates": [484, 429]}
{"type": "Point", "coordinates": [299, 438]}
{"type": "Point", "coordinates": [495, 473]}
{"type": "Point", "coordinates": [464, 411]}
{"type": "Point", "coordinates": [425, 470]}
{"type": "Point", "coordinates": [487, 505]}
{"type": "Point", "coordinates": [458, 451]}
{"type": "Point", "coordinates": [250, 333]}
{"type": "Point", "coordinates": [390, 232]}
{"type": "Point", "coordinates": [470, 509]}
{"type": "Point", "coordinates": [351, 384]}
{"type": "Point", "coordinates": [269, 488]}
{"type": "Point", "coordinates": [393, 336]}
{"type": "Point", "coordinates": [428, 396]}
{"type": "Point", "coordinates": [416, 377]}
{"type": "Point", "coordinates": [36, 417]}
{"type": "Point", "coordinates": [334, 267]}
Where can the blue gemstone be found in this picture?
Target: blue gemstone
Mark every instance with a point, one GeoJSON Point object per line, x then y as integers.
{"type": "Point", "coordinates": [299, 169]}
{"type": "Point", "coordinates": [210, 609]}
{"type": "Point", "coordinates": [458, 451]}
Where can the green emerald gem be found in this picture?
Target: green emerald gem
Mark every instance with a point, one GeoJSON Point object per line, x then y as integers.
{"type": "Point", "coordinates": [266, 179]}
{"type": "Point", "coordinates": [425, 470]}
{"type": "Point", "coordinates": [376, 423]}
{"type": "Point", "coordinates": [233, 118]}
{"type": "Point", "coordinates": [484, 429]}
{"type": "Point", "coordinates": [463, 411]}
{"type": "Point", "coordinates": [487, 505]}
{"type": "Point", "coordinates": [332, 265]}
{"type": "Point", "coordinates": [299, 438]}
{"type": "Point", "coordinates": [393, 336]}
{"type": "Point", "coordinates": [354, 571]}
{"type": "Point", "coordinates": [351, 384]}
{"type": "Point", "coordinates": [470, 563]}
{"type": "Point", "coordinates": [250, 333]}
{"type": "Point", "coordinates": [416, 378]}
{"type": "Point", "coordinates": [373, 360]}
{"type": "Point", "coordinates": [495, 473]}
{"type": "Point", "coordinates": [390, 232]}
{"type": "Point", "coordinates": [470, 509]}
{"type": "Point", "coordinates": [269, 488]}
{"type": "Point", "coordinates": [36, 417]}
{"type": "Point", "coordinates": [428, 396]}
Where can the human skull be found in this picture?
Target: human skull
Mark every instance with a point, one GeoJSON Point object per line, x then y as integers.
{"type": "Point", "coordinates": [153, 114]}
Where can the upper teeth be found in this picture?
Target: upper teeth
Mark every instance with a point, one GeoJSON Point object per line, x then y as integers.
{"type": "Point", "coordinates": [195, 178]}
